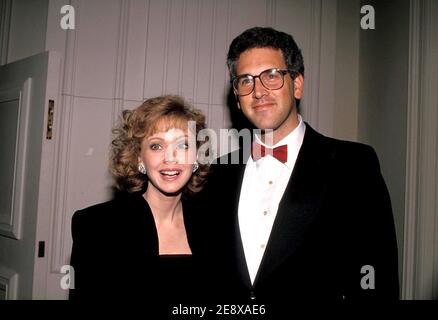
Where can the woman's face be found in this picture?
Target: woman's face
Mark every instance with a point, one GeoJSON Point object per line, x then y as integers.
{"type": "Point", "coordinates": [168, 160]}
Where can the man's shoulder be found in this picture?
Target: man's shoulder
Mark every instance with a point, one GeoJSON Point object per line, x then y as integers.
{"type": "Point", "coordinates": [353, 157]}
{"type": "Point", "coordinates": [337, 147]}
{"type": "Point", "coordinates": [351, 147]}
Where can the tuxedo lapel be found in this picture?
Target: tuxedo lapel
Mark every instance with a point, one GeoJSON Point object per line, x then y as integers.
{"type": "Point", "coordinates": [225, 180]}
{"type": "Point", "coordinates": [239, 253]}
{"type": "Point", "coordinates": [299, 205]}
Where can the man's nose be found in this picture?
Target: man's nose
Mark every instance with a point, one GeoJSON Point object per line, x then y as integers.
{"type": "Point", "coordinates": [259, 90]}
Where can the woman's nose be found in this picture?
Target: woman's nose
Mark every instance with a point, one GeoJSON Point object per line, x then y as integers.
{"type": "Point", "coordinates": [170, 155]}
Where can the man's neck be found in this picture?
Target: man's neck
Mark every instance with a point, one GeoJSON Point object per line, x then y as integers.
{"type": "Point", "coordinates": [272, 137]}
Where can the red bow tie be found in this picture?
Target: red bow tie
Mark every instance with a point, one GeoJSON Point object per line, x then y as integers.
{"type": "Point", "coordinates": [258, 151]}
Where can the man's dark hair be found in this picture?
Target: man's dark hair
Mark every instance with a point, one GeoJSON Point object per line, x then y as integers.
{"type": "Point", "coordinates": [259, 37]}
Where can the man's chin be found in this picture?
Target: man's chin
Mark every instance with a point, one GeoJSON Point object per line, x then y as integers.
{"type": "Point", "coordinates": [264, 126]}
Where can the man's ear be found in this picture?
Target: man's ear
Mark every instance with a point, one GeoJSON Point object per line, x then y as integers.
{"type": "Point", "coordinates": [298, 87]}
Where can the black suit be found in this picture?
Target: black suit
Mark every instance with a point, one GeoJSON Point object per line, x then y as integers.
{"type": "Point", "coordinates": [115, 256]}
{"type": "Point", "coordinates": [334, 218]}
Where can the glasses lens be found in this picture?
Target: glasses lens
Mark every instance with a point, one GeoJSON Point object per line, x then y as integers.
{"type": "Point", "coordinates": [244, 84]}
{"type": "Point", "coordinates": [272, 79]}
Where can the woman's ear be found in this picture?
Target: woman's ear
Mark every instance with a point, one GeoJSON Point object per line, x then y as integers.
{"type": "Point", "coordinates": [298, 87]}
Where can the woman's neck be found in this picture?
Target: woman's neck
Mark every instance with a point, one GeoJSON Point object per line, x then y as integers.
{"type": "Point", "coordinates": [165, 209]}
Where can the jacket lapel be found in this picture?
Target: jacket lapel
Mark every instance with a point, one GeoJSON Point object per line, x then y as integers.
{"type": "Point", "coordinates": [239, 253]}
{"type": "Point", "coordinates": [235, 178]}
{"type": "Point", "coordinates": [299, 205]}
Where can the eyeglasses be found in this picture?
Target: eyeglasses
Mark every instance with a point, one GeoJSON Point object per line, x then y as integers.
{"type": "Point", "coordinates": [271, 79]}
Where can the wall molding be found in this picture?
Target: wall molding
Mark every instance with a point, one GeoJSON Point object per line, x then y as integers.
{"type": "Point", "coordinates": [418, 280]}
{"type": "Point", "coordinates": [314, 66]}
{"type": "Point", "coordinates": [271, 12]}
{"type": "Point", "coordinates": [410, 223]}
{"type": "Point", "coordinates": [213, 56]}
{"type": "Point", "coordinates": [197, 50]}
{"type": "Point", "coordinates": [121, 60]}
{"type": "Point", "coordinates": [62, 149]}
{"type": "Point", "coordinates": [5, 25]}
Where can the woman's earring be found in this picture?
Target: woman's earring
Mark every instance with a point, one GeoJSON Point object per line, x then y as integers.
{"type": "Point", "coordinates": [195, 166]}
{"type": "Point", "coordinates": [141, 168]}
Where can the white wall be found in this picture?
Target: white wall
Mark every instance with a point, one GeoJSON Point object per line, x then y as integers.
{"type": "Point", "coordinates": [383, 88]}
{"type": "Point", "coordinates": [421, 227]}
{"type": "Point", "coordinates": [345, 116]}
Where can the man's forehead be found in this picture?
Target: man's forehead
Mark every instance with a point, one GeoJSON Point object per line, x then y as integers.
{"type": "Point", "coordinates": [265, 57]}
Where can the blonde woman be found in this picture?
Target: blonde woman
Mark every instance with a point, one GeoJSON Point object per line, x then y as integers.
{"type": "Point", "coordinates": [142, 244]}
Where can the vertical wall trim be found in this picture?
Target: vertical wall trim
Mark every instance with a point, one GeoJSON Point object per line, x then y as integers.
{"type": "Point", "coordinates": [315, 60]}
{"type": "Point", "coordinates": [410, 223]}
{"type": "Point", "coordinates": [61, 189]}
{"type": "Point", "coordinates": [62, 148]}
{"type": "Point", "coordinates": [227, 86]}
{"type": "Point", "coordinates": [427, 170]}
{"type": "Point", "coordinates": [166, 45]}
{"type": "Point", "coordinates": [420, 244]}
{"type": "Point", "coordinates": [270, 12]}
{"type": "Point", "coordinates": [5, 25]}
{"type": "Point", "coordinates": [121, 60]}
{"type": "Point", "coordinates": [181, 45]}
{"type": "Point", "coordinates": [146, 47]}
{"type": "Point", "coordinates": [197, 48]}
{"type": "Point", "coordinates": [213, 57]}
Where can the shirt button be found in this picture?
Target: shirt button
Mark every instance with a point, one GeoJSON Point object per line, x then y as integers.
{"type": "Point", "coordinates": [270, 182]}
{"type": "Point", "coordinates": [252, 295]}
{"type": "Point", "coordinates": [262, 246]}
{"type": "Point", "coordinates": [265, 212]}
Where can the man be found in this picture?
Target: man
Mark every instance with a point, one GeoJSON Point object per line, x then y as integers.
{"type": "Point", "coordinates": [304, 217]}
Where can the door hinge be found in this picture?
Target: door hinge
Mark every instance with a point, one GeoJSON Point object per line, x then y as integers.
{"type": "Point", "coordinates": [51, 110]}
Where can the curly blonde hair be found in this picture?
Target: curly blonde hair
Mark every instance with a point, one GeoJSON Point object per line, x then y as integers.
{"type": "Point", "coordinates": [144, 121]}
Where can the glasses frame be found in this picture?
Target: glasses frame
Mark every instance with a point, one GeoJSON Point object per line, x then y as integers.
{"type": "Point", "coordinates": [283, 72]}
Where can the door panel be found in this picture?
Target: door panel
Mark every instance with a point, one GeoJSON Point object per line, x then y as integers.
{"type": "Point", "coordinates": [14, 110]}
{"type": "Point", "coordinates": [25, 152]}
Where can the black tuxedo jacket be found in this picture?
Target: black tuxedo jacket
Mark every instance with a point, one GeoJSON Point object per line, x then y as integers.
{"type": "Point", "coordinates": [333, 237]}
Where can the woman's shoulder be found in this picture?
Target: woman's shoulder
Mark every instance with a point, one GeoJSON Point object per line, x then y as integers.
{"type": "Point", "coordinates": [90, 218]}
{"type": "Point", "coordinates": [95, 209]}
{"type": "Point", "coordinates": [122, 203]}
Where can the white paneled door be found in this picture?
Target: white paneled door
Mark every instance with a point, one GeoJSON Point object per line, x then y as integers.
{"type": "Point", "coordinates": [28, 99]}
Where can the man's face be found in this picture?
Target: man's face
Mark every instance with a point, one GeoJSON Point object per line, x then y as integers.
{"type": "Point", "coordinates": [269, 109]}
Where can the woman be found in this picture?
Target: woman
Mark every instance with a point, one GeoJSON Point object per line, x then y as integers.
{"type": "Point", "coordinates": [142, 244]}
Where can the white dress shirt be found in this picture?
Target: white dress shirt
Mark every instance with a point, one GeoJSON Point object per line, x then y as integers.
{"type": "Point", "coordinates": [263, 185]}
